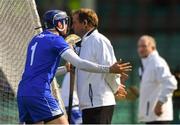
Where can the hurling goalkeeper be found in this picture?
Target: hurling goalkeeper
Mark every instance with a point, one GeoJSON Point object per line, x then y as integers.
{"type": "Point", "coordinates": [36, 104]}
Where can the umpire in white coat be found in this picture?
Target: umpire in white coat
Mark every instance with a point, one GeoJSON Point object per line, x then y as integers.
{"type": "Point", "coordinates": [96, 97]}
{"type": "Point", "coordinates": [157, 84]}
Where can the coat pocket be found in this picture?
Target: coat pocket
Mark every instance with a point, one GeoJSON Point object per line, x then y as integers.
{"type": "Point", "coordinates": [91, 94]}
{"type": "Point", "coordinates": [147, 108]}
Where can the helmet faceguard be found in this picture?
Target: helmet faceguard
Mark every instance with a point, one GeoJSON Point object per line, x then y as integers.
{"type": "Point", "coordinates": [64, 21]}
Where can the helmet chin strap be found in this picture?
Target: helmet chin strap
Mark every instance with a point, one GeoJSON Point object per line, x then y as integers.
{"type": "Point", "coordinates": [59, 30]}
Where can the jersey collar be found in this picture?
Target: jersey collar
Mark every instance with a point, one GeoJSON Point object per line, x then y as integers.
{"type": "Point", "coordinates": [88, 33]}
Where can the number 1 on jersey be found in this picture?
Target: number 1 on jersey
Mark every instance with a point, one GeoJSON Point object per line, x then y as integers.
{"type": "Point", "coordinates": [33, 49]}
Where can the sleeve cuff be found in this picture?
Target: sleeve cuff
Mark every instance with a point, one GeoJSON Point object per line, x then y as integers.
{"type": "Point", "coordinates": [61, 70]}
{"type": "Point", "coordinates": [113, 80]}
{"type": "Point", "coordinates": [163, 99]}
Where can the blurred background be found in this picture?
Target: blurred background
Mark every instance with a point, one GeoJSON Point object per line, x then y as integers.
{"type": "Point", "coordinates": [123, 22]}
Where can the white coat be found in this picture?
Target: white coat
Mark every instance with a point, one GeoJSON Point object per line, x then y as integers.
{"type": "Point", "coordinates": [157, 83]}
{"type": "Point", "coordinates": [92, 88]}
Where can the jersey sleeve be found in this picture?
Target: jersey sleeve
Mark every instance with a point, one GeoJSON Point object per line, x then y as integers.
{"type": "Point", "coordinates": [59, 45]}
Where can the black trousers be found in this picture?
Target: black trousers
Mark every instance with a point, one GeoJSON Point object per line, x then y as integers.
{"type": "Point", "coordinates": [159, 122]}
{"type": "Point", "coordinates": [99, 115]}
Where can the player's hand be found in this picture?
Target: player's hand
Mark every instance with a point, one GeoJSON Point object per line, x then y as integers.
{"type": "Point", "coordinates": [120, 68]}
{"type": "Point", "coordinates": [121, 93]}
{"type": "Point", "coordinates": [158, 108]}
{"type": "Point", "coordinates": [68, 67]}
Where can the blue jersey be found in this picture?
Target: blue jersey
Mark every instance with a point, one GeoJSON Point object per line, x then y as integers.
{"type": "Point", "coordinates": [43, 57]}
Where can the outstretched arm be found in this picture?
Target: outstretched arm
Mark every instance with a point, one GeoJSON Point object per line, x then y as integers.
{"type": "Point", "coordinates": [70, 56]}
